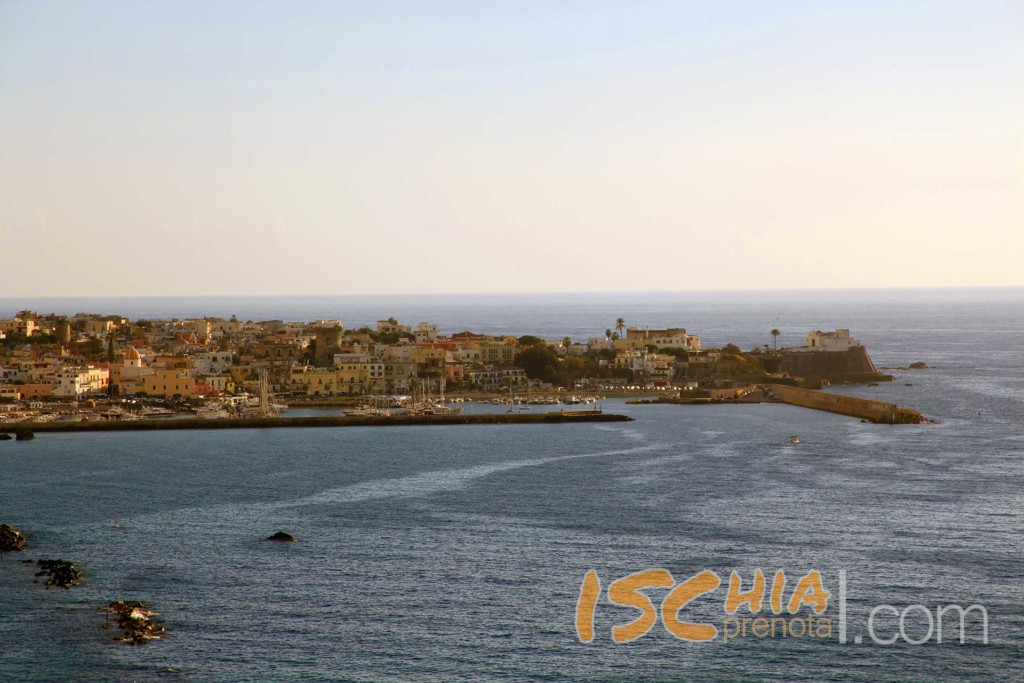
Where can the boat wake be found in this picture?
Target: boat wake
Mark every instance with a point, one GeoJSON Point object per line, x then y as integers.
{"type": "Point", "coordinates": [433, 482]}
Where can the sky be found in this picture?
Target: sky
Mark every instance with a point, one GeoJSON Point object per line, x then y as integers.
{"type": "Point", "coordinates": [188, 148]}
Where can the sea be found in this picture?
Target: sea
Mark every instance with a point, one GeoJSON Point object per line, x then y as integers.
{"type": "Point", "coordinates": [458, 553]}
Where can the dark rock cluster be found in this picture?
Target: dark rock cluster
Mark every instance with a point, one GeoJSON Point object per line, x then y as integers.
{"type": "Point", "coordinates": [11, 540]}
{"type": "Point", "coordinates": [136, 622]}
{"type": "Point", "coordinates": [59, 573]}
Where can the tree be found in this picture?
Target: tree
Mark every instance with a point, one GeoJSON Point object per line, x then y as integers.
{"type": "Point", "coordinates": [539, 362]}
{"type": "Point", "coordinates": [620, 325]}
{"type": "Point", "coordinates": [570, 370]}
{"type": "Point", "coordinates": [607, 334]}
{"type": "Point", "coordinates": [566, 343]}
{"type": "Point", "coordinates": [529, 340]}
{"type": "Point", "coordinates": [775, 338]}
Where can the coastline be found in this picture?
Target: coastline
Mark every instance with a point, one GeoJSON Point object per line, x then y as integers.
{"type": "Point", "coordinates": [568, 416]}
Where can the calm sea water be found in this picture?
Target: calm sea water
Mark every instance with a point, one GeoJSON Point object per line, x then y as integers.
{"type": "Point", "coordinates": [456, 553]}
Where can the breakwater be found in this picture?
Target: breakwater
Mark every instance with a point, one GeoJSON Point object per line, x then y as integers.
{"type": "Point", "coordinates": [317, 421]}
{"type": "Point", "coordinates": [864, 408]}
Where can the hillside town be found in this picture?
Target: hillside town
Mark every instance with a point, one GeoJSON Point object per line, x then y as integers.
{"type": "Point", "coordinates": [52, 358]}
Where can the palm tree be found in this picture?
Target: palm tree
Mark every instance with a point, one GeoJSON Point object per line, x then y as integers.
{"type": "Point", "coordinates": [566, 343]}
{"type": "Point", "coordinates": [607, 334]}
{"type": "Point", "coordinates": [775, 338]}
{"type": "Point", "coordinates": [620, 325]}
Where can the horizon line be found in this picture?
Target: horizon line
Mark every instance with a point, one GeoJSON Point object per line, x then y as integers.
{"type": "Point", "coordinates": [522, 293]}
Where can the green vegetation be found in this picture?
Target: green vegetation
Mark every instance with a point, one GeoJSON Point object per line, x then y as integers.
{"type": "Point", "coordinates": [732, 362]}
{"type": "Point", "coordinates": [391, 337]}
{"type": "Point", "coordinates": [15, 339]}
{"type": "Point", "coordinates": [541, 362]}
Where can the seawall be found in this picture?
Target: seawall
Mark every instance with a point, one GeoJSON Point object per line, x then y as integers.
{"type": "Point", "coordinates": [864, 408]}
{"type": "Point", "coordinates": [317, 421]}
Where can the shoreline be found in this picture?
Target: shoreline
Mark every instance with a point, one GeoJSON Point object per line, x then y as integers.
{"type": "Point", "coordinates": [562, 417]}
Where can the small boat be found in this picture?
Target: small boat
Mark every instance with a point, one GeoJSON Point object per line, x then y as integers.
{"type": "Point", "coordinates": [213, 411]}
{"type": "Point", "coordinates": [150, 412]}
{"type": "Point", "coordinates": [794, 439]}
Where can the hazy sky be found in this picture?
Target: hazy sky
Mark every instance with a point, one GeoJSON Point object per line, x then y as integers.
{"type": "Point", "coordinates": [378, 147]}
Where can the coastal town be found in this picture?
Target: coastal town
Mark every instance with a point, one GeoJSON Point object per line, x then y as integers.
{"type": "Point", "coordinates": [107, 367]}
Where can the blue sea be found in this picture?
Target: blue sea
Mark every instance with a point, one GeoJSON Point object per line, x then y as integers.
{"type": "Point", "coordinates": [457, 553]}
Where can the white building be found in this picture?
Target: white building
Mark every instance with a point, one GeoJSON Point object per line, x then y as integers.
{"type": "Point", "coordinates": [816, 340]}
{"type": "Point", "coordinates": [669, 338]}
{"type": "Point", "coordinates": [212, 362]}
{"type": "Point", "coordinates": [426, 333]}
{"type": "Point", "coordinates": [78, 383]}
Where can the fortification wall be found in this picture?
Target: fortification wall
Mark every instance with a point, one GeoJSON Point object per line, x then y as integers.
{"type": "Point", "coordinates": [853, 365]}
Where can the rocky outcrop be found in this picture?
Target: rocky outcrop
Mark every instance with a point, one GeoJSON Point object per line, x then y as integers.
{"type": "Point", "coordinates": [11, 540]}
{"type": "Point", "coordinates": [59, 573]}
{"type": "Point", "coordinates": [282, 537]}
{"type": "Point", "coordinates": [136, 622]}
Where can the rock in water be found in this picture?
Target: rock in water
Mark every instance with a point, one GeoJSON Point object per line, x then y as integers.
{"type": "Point", "coordinates": [135, 619]}
{"type": "Point", "coordinates": [11, 539]}
{"type": "Point", "coordinates": [919, 365]}
{"type": "Point", "coordinates": [282, 537]}
{"type": "Point", "coordinates": [62, 573]}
